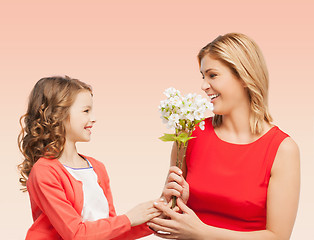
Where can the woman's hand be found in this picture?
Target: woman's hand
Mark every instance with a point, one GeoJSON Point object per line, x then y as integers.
{"type": "Point", "coordinates": [179, 226]}
{"type": "Point", "coordinates": [143, 212]}
{"type": "Point", "coordinates": [176, 185]}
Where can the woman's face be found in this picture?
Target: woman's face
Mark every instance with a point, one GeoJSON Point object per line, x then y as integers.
{"type": "Point", "coordinates": [225, 90]}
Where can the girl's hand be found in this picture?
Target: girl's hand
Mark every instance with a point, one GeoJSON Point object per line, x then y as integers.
{"type": "Point", "coordinates": [176, 185]}
{"type": "Point", "coordinates": [179, 226]}
{"type": "Point", "coordinates": [143, 213]}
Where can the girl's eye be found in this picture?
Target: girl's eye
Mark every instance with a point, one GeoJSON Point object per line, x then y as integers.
{"type": "Point", "coordinates": [212, 75]}
{"type": "Point", "coordinates": [86, 111]}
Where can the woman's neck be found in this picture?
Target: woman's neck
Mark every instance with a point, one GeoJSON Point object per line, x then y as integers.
{"type": "Point", "coordinates": [237, 124]}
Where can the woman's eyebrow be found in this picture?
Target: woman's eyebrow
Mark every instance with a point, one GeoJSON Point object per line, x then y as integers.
{"type": "Point", "coordinates": [209, 69]}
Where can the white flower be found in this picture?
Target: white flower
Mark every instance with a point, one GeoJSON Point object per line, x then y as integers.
{"type": "Point", "coordinates": [190, 117]}
{"type": "Point", "coordinates": [182, 111]}
{"type": "Point", "coordinates": [198, 115]}
{"type": "Point", "coordinates": [202, 125]}
{"type": "Point", "coordinates": [175, 118]}
{"type": "Point", "coordinates": [169, 92]}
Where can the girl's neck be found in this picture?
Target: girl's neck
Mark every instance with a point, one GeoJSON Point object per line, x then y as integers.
{"type": "Point", "coordinates": [70, 156]}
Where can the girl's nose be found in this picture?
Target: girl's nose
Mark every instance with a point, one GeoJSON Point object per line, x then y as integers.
{"type": "Point", "coordinates": [205, 85]}
{"type": "Point", "coordinates": [92, 118]}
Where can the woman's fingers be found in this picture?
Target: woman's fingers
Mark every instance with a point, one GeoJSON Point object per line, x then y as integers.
{"type": "Point", "coordinates": [168, 192]}
{"type": "Point", "coordinates": [158, 228]}
{"type": "Point", "coordinates": [175, 186]}
{"type": "Point", "coordinates": [174, 177]}
{"type": "Point", "coordinates": [164, 235]}
{"type": "Point", "coordinates": [176, 170]}
{"type": "Point", "coordinates": [183, 207]}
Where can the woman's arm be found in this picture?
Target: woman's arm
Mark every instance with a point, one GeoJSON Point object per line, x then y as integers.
{"type": "Point", "coordinates": [282, 204]}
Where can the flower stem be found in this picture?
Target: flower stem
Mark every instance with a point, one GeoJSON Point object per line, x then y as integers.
{"type": "Point", "coordinates": [179, 163]}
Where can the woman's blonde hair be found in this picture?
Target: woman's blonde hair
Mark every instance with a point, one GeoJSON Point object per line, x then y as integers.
{"type": "Point", "coordinates": [43, 133]}
{"type": "Point", "coordinates": [242, 55]}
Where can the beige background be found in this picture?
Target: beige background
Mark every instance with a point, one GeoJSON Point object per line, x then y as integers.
{"type": "Point", "coordinates": [130, 51]}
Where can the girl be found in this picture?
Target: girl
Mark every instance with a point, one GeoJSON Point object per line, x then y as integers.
{"type": "Point", "coordinates": [242, 172]}
{"type": "Point", "coordinates": [69, 192]}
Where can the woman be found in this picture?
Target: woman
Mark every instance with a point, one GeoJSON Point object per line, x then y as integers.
{"type": "Point", "coordinates": [242, 173]}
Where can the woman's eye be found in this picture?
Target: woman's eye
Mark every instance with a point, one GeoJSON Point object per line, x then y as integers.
{"type": "Point", "coordinates": [86, 111]}
{"type": "Point", "coordinates": [212, 75]}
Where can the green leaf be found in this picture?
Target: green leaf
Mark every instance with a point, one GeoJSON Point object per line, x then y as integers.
{"type": "Point", "coordinates": [168, 137]}
{"type": "Point", "coordinates": [198, 121]}
{"type": "Point", "coordinates": [184, 137]}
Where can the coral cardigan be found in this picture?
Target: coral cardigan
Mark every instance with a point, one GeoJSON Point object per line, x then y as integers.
{"type": "Point", "coordinates": [57, 200]}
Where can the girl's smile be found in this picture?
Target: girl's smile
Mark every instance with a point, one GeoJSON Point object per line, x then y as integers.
{"type": "Point", "coordinates": [81, 118]}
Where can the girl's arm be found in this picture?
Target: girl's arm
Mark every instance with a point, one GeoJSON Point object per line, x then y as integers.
{"type": "Point", "coordinates": [47, 192]}
{"type": "Point", "coordinates": [282, 204]}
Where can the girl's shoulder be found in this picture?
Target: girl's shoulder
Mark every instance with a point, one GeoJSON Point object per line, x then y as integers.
{"type": "Point", "coordinates": [44, 164]}
{"type": "Point", "coordinates": [99, 167]}
{"type": "Point", "coordinates": [93, 161]}
{"type": "Point", "coordinates": [44, 171]}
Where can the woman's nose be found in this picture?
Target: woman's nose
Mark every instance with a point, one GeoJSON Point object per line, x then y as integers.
{"type": "Point", "coordinates": [205, 85]}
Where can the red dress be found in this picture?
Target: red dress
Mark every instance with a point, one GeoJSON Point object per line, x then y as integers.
{"type": "Point", "coordinates": [228, 182]}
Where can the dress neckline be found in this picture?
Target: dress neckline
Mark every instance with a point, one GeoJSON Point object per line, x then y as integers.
{"type": "Point", "coordinates": [245, 144]}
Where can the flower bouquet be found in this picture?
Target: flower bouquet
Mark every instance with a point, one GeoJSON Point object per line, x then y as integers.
{"type": "Point", "coordinates": [182, 114]}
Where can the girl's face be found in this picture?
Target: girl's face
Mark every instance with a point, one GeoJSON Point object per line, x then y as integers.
{"type": "Point", "coordinates": [81, 119]}
{"type": "Point", "coordinates": [224, 89]}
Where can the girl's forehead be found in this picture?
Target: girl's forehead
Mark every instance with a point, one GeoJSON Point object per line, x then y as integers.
{"type": "Point", "coordinates": [83, 98]}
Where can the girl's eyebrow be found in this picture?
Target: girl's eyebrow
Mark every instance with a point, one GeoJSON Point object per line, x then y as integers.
{"type": "Point", "coordinates": [87, 106]}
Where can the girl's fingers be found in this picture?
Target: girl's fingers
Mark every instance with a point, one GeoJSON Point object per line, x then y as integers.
{"type": "Point", "coordinates": [166, 210]}
{"type": "Point", "coordinates": [154, 215]}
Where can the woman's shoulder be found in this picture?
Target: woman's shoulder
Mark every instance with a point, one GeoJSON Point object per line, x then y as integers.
{"type": "Point", "coordinates": [287, 158]}
{"type": "Point", "coordinates": [288, 146]}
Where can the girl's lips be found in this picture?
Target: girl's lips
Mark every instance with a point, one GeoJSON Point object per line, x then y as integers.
{"type": "Point", "coordinates": [88, 129]}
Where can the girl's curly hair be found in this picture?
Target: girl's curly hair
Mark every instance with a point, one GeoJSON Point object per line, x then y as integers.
{"type": "Point", "coordinates": [43, 133]}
